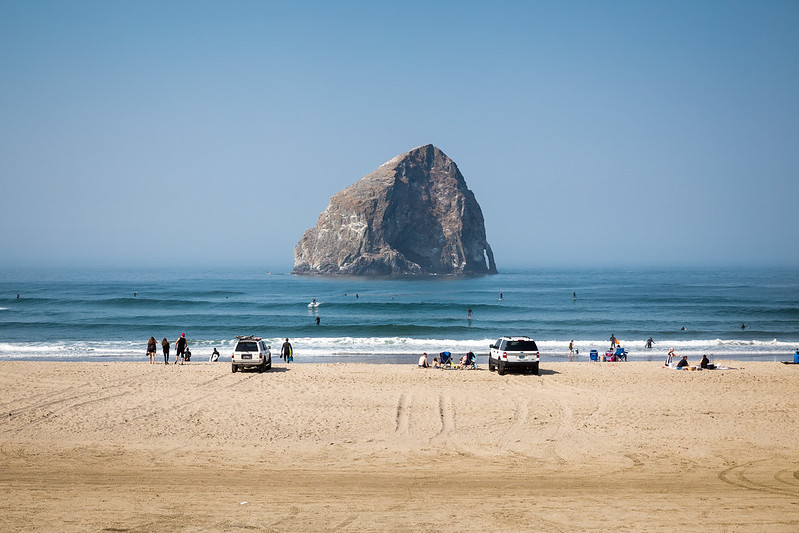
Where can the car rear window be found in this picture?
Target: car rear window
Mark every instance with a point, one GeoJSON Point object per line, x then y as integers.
{"type": "Point", "coordinates": [247, 347]}
{"type": "Point", "coordinates": [521, 346]}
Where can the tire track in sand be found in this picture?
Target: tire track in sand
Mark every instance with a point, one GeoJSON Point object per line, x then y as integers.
{"type": "Point", "coordinates": [740, 476]}
{"type": "Point", "coordinates": [403, 415]}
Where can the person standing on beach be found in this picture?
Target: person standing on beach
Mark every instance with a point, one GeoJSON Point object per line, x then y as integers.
{"type": "Point", "coordinates": [286, 352]}
{"type": "Point", "coordinates": [613, 341]}
{"type": "Point", "coordinates": [571, 348]}
{"type": "Point", "coordinates": [151, 347]}
{"type": "Point", "coordinates": [165, 348]}
{"type": "Point", "coordinates": [180, 348]}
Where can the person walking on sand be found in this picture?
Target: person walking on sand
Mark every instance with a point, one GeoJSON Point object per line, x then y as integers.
{"type": "Point", "coordinates": [165, 348]}
{"type": "Point", "coordinates": [180, 348]}
{"type": "Point", "coordinates": [286, 353]}
{"type": "Point", "coordinates": [151, 347]}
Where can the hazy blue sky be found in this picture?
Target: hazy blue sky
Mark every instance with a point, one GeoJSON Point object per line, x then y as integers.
{"type": "Point", "coordinates": [592, 133]}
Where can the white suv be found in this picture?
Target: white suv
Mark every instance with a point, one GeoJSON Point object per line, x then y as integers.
{"type": "Point", "coordinates": [251, 352]}
{"type": "Point", "coordinates": [513, 352]}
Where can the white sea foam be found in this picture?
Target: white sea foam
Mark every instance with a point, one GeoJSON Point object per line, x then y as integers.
{"type": "Point", "coordinates": [309, 348]}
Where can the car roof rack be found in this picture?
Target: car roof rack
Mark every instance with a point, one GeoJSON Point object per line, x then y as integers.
{"type": "Point", "coordinates": [248, 337]}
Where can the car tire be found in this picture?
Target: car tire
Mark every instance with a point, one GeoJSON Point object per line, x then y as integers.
{"type": "Point", "coordinates": [234, 368]}
{"type": "Point", "coordinates": [491, 366]}
{"type": "Point", "coordinates": [501, 367]}
{"type": "Point", "coordinates": [535, 369]}
{"type": "Point", "coordinates": [261, 368]}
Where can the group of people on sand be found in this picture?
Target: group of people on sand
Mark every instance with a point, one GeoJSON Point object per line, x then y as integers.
{"type": "Point", "coordinates": [182, 352]}
{"type": "Point", "coordinates": [682, 360]}
{"type": "Point", "coordinates": [469, 360]}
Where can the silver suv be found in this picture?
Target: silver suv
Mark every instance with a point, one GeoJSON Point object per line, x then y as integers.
{"type": "Point", "coordinates": [513, 353]}
{"type": "Point", "coordinates": [251, 352]}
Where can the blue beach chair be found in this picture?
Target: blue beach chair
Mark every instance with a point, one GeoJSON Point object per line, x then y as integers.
{"type": "Point", "coordinates": [594, 355]}
{"type": "Point", "coordinates": [621, 354]}
{"type": "Point", "coordinates": [446, 359]}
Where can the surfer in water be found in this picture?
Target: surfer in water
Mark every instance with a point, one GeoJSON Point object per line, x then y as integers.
{"type": "Point", "coordinates": [469, 314]}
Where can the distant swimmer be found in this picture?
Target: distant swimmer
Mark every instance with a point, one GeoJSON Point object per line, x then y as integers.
{"type": "Point", "coordinates": [682, 328]}
{"type": "Point", "coordinates": [135, 294]}
{"type": "Point", "coordinates": [574, 295]}
{"type": "Point", "coordinates": [469, 314]}
{"type": "Point", "coordinates": [317, 320]}
{"type": "Point", "coordinates": [500, 296]}
{"type": "Point", "coordinates": [743, 326]}
{"type": "Point", "coordinates": [17, 296]}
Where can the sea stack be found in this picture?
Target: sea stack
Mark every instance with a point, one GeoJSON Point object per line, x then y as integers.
{"type": "Point", "coordinates": [414, 215]}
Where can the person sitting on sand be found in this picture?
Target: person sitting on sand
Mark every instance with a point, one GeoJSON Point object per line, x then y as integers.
{"type": "Point", "coordinates": [436, 363]}
{"type": "Point", "coordinates": [704, 362]}
{"type": "Point", "coordinates": [423, 361]}
{"type": "Point", "coordinates": [683, 362]}
{"type": "Point", "coordinates": [467, 360]}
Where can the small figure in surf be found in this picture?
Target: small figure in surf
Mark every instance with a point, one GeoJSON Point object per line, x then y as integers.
{"type": "Point", "coordinates": [571, 348]}
{"type": "Point", "coordinates": [469, 314]}
{"type": "Point", "coordinates": [649, 342]}
{"type": "Point", "coordinates": [500, 296]}
{"type": "Point", "coordinates": [574, 295]}
{"type": "Point", "coordinates": [743, 326]}
{"type": "Point", "coordinates": [317, 320]}
{"type": "Point", "coordinates": [613, 341]}
{"type": "Point", "coordinates": [286, 352]}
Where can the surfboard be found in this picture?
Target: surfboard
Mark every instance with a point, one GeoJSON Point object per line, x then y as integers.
{"type": "Point", "coordinates": [314, 305]}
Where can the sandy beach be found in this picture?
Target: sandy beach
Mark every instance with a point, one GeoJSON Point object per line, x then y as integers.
{"type": "Point", "coordinates": [360, 447]}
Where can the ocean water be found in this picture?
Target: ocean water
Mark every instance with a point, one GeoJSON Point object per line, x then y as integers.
{"type": "Point", "coordinates": [110, 314]}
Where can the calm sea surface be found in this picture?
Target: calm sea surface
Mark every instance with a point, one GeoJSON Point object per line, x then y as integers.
{"type": "Point", "coordinates": [110, 314]}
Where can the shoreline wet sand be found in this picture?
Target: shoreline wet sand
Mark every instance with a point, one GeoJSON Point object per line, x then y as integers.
{"type": "Point", "coordinates": [365, 447]}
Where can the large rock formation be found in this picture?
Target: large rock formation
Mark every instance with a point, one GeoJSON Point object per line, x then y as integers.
{"type": "Point", "coordinates": [413, 215]}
